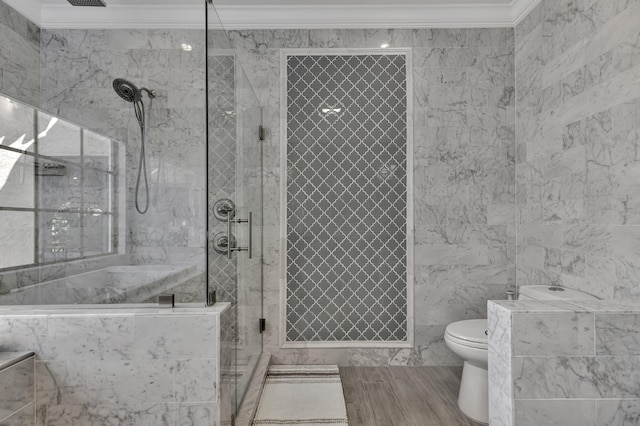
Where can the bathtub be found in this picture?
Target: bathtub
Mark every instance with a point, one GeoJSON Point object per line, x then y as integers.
{"type": "Point", "coordinates": [114, 284]}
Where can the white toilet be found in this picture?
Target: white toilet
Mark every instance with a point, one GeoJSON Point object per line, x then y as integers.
{"type": "Point", "coordinates": [469, 340]}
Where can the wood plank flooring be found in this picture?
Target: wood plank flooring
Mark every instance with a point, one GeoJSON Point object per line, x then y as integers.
{"type": "Point", "coordinates": [403, 396]}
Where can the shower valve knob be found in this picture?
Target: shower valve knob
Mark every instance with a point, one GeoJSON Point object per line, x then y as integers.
{"type": "Point", "coordinates": [221, 243]}
{"type": "Point", "coordinates": [224, 209]}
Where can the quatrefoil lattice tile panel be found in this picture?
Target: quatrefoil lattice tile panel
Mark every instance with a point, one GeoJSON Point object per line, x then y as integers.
{"type": "Point", "coordinates": [346, 198]}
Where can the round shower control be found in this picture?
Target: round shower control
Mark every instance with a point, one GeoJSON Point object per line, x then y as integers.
{"type": "Point", "coordinates": [221, 243]}
{"type": "Point", "coordinates": [224, 209]}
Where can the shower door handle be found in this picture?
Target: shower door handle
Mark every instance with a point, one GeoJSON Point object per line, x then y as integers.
{"type": "Point", "coordinates": [248, 249]}
{"type": "Point", "coordinates": [229, 248]}
{"type": "Point", "coordinates": [250, 235]}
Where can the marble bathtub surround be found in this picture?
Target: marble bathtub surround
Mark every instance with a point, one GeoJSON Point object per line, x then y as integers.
{"type": "Point", "coordinates": [132, 363]}
{"type": "Point", "coordinates": [115, 284]}
{"type": "Point", "coordinates": [24, 277]}
{"type": "Point", "coordinates": [572, 365]}
{"type": "Point", "coordinates": [17, 381]}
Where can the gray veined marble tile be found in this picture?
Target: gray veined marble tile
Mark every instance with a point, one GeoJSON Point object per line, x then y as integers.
{"type": "Point", "coordinates": [144, 414]}
{"type": "Point", "coordinates": [618, 334]}
{"type": "Point", "coordinates": [197, 414]}
{"type": "Point", "coordinates": [553, 334]}
{"type": "Point", "coordinates": [171, 337]}
{"type": "Point", "coordinates": [20, 333]}
{"type": "Point", "coordinates": [195, 381]}
{"type": "Point", "coordinates": [618, 412]}
{"type": "Point", "coordinates": [555, 413]}
{"type": "Point", "coordinates": [18, 384]}
{"type": "Point", "coordinates": [533, 306]}
{"type": "Point", "coordinates": [501, 406]}
{"type": "Point", "coordinates": [26, 416]}
{"type": "Point", "coordinates": [576, 377]}
{"type": "Point", "coordinates": [588, 238]}
{"type": "Point", "coordinates": [61, 382]}
{"type": "Point", "coordinates": [131, 381]}
{"type": "Point", "coordinates": [431, 349]}
{"type": "Point", "coordinates": [89, 338]}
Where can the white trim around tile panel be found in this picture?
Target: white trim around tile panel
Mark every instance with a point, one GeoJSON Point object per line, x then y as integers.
{"type": "Point", "coordinates": [409, 343]}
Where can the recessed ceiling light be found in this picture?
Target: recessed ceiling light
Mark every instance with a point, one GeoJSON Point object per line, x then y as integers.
{"type": "Point", "coordinates": [186, 47]}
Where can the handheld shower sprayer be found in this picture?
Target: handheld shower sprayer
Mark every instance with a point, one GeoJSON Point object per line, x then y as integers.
{"type": "Point", "coordinates": [130, 93]}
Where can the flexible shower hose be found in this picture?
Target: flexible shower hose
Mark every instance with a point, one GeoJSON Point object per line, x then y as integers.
{"type": "Point", "coordinates": [138, 106]}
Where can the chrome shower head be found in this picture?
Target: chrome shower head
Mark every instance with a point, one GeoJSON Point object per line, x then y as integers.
{"type": "Point", "coordinates": [95, 3]}
{"type": "Point", "coordinates": [126, 90]}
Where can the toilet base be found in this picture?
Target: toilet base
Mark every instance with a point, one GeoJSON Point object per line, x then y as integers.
{"type": "Point", "coordinates": [473, 399]}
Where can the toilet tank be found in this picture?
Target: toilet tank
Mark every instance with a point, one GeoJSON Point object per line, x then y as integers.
{"type": "Point", "coordinates": [545, 292]}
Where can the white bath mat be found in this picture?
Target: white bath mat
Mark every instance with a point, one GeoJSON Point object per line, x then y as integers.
{"type": "Point", "coordinates": [306, 395]}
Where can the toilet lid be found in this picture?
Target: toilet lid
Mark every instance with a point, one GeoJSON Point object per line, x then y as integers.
{"type": "Point", "coordinates": [471, 330]}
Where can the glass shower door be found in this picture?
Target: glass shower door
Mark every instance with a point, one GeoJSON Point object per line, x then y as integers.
{"type": "Point", "coordinates": [249, 205]}
{"type": "Point", "coordinates": [235, 185]}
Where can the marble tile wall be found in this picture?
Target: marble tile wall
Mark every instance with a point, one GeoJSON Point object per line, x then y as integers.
{"type": "Point", "coordinates": [78, 67]}
{"type": "Point", "coordinates": [19, 56]}
{"type": "Point", "coordinates": [227, 370]}
{"type": "Point", "coordinates": [578, 121]}
{"type": "Point", "coordinates": [500, 353]}
{"type": "Point", "coordinates": [125, 365]}
{"type": "Point", "coordinates": [565, 363]}
{"type": "Point", "coordinates": [17, 381]}
{"type": "Point", "coordinates": [464, 177]}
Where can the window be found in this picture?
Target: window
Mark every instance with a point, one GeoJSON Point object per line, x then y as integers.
{"type": "Point", "coordinates": [56, 189]}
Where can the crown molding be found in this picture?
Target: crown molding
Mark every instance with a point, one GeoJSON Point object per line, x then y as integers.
{"type": "Point", "coordinates": [123, 17]}
{"type": "Point", "coordinates": [521, 8]}
{"type": "Point", "coordinates": [30, 9]}
{"type": "Point", "coordinates": [120, 16]}
{"type": "Point", "coordinates": [365, 16]}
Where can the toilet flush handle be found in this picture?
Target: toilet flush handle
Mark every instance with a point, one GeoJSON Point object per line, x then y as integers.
{"type": "Point", "coordinates": [511, 293]}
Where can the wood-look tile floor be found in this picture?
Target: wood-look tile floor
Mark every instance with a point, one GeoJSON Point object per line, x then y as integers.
{"type": "Point", "coordinates": [403, 396]}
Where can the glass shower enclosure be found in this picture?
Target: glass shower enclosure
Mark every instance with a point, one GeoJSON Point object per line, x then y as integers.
{"type": "Point", "coordinates": [71, 233]}
{"type": "Point", "coordinates": [235, 196]}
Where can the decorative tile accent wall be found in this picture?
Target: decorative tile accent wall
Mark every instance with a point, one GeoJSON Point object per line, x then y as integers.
{"type": "Point", "coordinates": [578, 121]}
{"type": "Point", "coordinates": [222, 166]}
{"type": "Point", "coordinates": [463, 96]}
{"type": "Point", "coordinates": [569, 364]}
{"type": "Point", "coordinates": [347, 142]}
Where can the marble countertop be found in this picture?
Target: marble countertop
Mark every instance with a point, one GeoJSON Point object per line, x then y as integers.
{"type": "Point", "coordinates": [115, 309]}
{"type": "Point", "coordinates": [618, 306]}
{"type": "Point", "coordinates": [7, 359]}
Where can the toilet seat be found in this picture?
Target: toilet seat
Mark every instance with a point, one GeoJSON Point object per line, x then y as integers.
{"type": "Point", "coordinates": [471, 333]}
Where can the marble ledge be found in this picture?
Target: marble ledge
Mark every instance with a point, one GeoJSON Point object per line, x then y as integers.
{"type": "Point", "coordinates": [139, 309]}
{"type": "Point", "coordinates": [599, 306]}
{"type": "Point", "coordinates": [9, 359]}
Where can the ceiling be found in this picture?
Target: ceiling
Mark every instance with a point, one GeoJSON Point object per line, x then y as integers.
{"type": "Point", "coordinates": [293, 2]}
{"type": "Point", "coordinates": [251, 14]}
